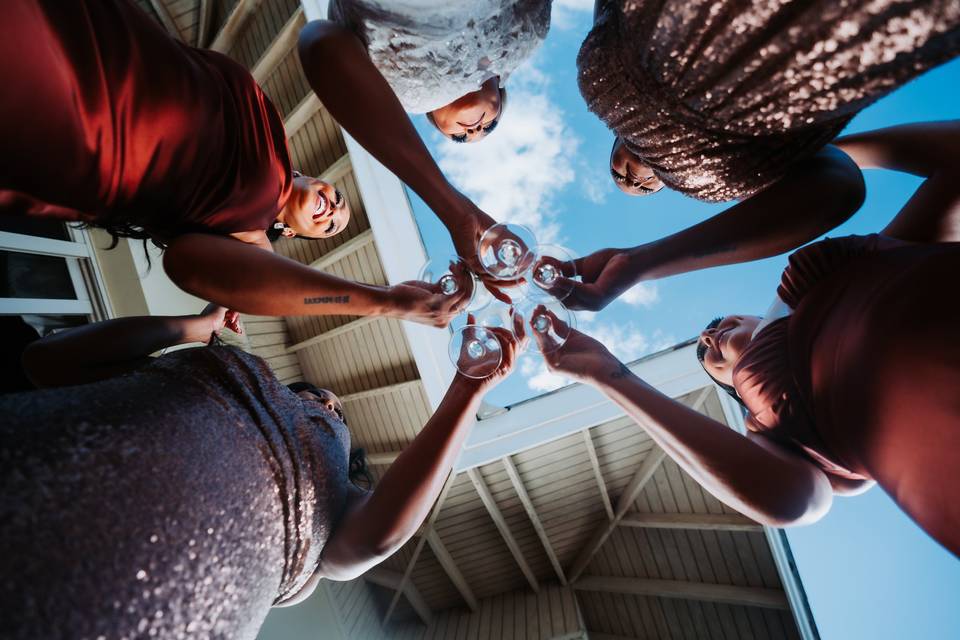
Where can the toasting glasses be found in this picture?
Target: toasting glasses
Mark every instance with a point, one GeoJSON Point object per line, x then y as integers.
{"type": "Point", "coordinates": [451, 280]}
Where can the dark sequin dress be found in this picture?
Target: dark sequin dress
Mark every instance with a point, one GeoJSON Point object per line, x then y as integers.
{"type": "Point", "coordinates": [179, 501]}
{"type": "Point", "coordinates": [721, 97]}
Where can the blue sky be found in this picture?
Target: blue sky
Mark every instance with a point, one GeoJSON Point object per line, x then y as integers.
{"type": "Point", "coordinates": [869, 571]}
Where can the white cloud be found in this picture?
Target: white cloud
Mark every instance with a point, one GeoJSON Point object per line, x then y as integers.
{"type": "Point", "coordinates": [625, 341]}
{"type": "Point", "coordinates": [642, 294]}
{"type": "Point", "coordinates": [576, 5]}
{"type": "Point", "coordinates": [519, 172]}
{"type": "Point", "coordinates": [567, 14]}
{"type": "Point", "coordinates": [539, 378]}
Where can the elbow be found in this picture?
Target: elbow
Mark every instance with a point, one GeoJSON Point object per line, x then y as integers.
{"type": "Point", "coordinates": [35, 361]}
{"type": "Point", "coordinates": [798, 506]}
{"type": "Point", "coordinates": [841, 184]}
{"type": "Point", "coordinates": [177, 265]}
{"type": "Point", "coordinates": [320, 41]}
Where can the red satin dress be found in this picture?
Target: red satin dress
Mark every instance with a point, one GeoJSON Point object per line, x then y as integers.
{"type": "Point", "coordinates": [104, 116]}
{"type": "Point", "coordinates": [864, 377]}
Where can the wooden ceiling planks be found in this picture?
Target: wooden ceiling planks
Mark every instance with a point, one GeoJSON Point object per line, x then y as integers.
{"type": "Point", "coordinates": [560, 477]}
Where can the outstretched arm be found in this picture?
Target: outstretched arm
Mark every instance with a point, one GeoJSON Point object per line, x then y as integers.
{"type": "Point", "coordinates": [105, 349]}
{"type": "Point", "coordinates": [930, 150]}
{"type": "Point", "coordinates": [751, 474]}
{"type": "Point", "coordinates": [247, 278]}
{"type": "Point", "coordinates": [381, 522]}
{"type": "Point", "coordinates": [351, 88]}
{"type": "Point", "coordinates": [813, 198]}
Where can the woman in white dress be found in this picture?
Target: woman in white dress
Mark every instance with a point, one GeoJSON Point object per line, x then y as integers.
{"type": "Point", "coordinates": [375, 60]}
{"type": "Point", "coordinates": [448, 60]}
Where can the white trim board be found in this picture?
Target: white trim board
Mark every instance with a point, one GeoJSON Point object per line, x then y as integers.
{"type": "Point", "coordinates": [574, 408]}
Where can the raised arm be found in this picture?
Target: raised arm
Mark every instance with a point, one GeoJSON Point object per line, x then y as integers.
{"type": "Point", "coordinates": [816, 196]}
{"type": "Point", "coordinates": [244, 277]}
{"type": "Point", "coordinates": [930, 150]}
{"type": "Point", "coordinates": [751, 474]}
{"type": "Point", "coordinates": [379, 523]}
{"type": "Point", "coordinates": [104, 349]}
{"type": "Point", "coordinates": [342, 75]}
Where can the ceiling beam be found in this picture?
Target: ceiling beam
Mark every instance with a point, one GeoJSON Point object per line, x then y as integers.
{"type": "Point", "coordinates": [336, 254]}
{"type": "Point", "coordinates": [333, 333]}
{"type": "Point", "coordinates": [720, 593]}
{"type": "Point", "coordinates": [281, 45]}
{"type": "Point", "coordinates": [379, 391]}
{"type": "Point", "coordinates": [394, 580]}
{"type": "Point", "coordinates": [418, 547]}
{"type": "Point", "coordinates": [166, 19]}
{"type": "Point", "coordinates": [527, 503]}
{"type": "Point", "coordinates": [446, 561]}
{"type": "Point", "coordinates": [699, 521]}
{"type": "Point", "coordinates": [301, 114]}
{"type": "Point", "coordinates": [648, 467]}
{"type": "Point", "coordinates": [337, 170]}
{"type": "Point", "coordinates": [597, 473]}
{"type": "Point", "coordinates": [494, 510]}
{"type": "Point", "coordinates": [234, 25]}
{"type": "Point", "coordinates": [203, 25]}
{"type": "Point", "coordinates": [382, 458]}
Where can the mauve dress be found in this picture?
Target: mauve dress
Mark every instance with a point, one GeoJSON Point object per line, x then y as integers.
{"type": "Point", "coordinates": [721, 97]}
{"type": "Point", "coordinates": [863, 378]}
{"type": "Point", "coordinates": [106, 117]}
{"type": "Point", "coordinates": [179, 501]}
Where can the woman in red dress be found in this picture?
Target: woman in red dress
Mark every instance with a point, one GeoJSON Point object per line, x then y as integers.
{"type": "Point", "coordinates": [108, 120]}
{"type": "Point", "coordinates": [853, 377]}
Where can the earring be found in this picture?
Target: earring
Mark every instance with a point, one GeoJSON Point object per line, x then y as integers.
{"type": "Point", "coordinates": [279, 225]}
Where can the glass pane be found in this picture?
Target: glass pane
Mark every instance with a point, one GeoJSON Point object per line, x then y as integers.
{"type": "Point", "coordinates": [26, 275]}
{"type": "Point", "coordinates": [33, 226]}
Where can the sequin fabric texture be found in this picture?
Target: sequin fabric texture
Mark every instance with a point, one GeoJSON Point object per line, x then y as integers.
{"type": "Point", "coordinates": [432, 52]}
{"type": "Point", "coordinates": [180, 501]}
{"type": "Point", "coordinates": [721, 97]}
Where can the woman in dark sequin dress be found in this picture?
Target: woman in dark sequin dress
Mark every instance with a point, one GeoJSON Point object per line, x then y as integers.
{"type": "Point", "coordinates": [183, 496]}
{"type": "Point", "coordinates": [850, 379]}
{"type": "Point", "coordinates": [740, 99]}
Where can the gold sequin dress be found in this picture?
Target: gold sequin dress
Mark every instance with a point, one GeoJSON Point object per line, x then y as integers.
{"type": "Point", "coordinates": [721, 97]}
{"type": "Point", "coordinates": [178, 501]}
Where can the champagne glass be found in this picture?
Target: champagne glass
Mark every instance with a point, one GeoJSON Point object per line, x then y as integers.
{"type": "Point", "coordinates": [442, 273]}
{"type": "Point", "coordinates": [475, 351]}
{"type": "Point", "coordinates": [505, 251]}
{"type": "Point", "coordinates": [541, 323]}
{"type": "Point", "coordinates": [544, 281]}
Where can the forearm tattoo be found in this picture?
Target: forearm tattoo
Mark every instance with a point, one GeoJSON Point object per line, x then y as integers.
{"type": "Point", "coordinates": [327, 300]}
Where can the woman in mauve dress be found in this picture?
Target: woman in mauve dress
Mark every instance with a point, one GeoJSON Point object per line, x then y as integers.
{"type": "Point", "coordinates": [183, 496]}
{"type": "Point", "coordinates": [740, 100]}
{"type": "Point", "coordinates": [107, 120]}
{"type": "Point", "coordinates": [853, 376]}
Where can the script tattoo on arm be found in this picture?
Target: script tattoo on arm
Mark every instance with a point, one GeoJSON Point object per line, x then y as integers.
{"type": "Point", "coordinates": [327, 300]}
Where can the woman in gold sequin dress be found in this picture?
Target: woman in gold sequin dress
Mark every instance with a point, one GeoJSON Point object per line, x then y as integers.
{"type": "Point", "coordinates": [739, 100]}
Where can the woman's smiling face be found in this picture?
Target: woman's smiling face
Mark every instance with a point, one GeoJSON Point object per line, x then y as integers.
{"type": "Point", "coordinates": [315, 209]}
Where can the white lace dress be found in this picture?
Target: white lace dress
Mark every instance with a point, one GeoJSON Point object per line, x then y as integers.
{"type": "Point", "coordinates": [432, 52]}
